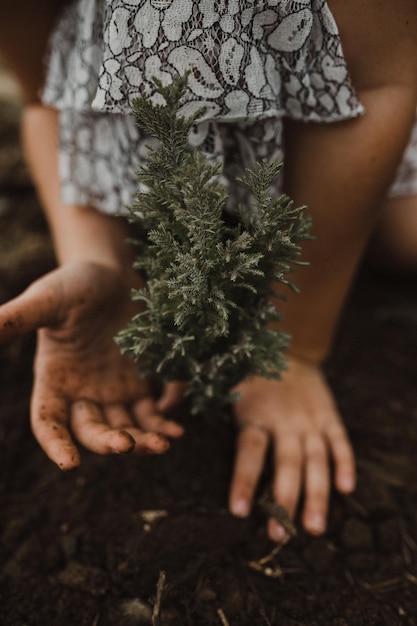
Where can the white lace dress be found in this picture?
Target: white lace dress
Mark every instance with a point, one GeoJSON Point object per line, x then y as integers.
{"type": "Point", "coordinates": [251, 63]}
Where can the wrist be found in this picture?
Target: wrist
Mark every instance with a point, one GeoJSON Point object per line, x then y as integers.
{"type": "Point", "coordinates": [311, 347]}
{"type": "Point", "coordinates": [80, 233]}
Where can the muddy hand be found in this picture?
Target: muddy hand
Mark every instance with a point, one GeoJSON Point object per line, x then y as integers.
{"type": "Point", "coordinates": [84, 389]}
{"type": "Point", "coordinates": [298, 418]}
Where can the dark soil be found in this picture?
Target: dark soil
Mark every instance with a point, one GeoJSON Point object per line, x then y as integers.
{"type": "Point", "coordinates": [87, 548]}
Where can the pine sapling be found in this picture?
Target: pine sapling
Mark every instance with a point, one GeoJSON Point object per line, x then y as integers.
{"type": "Point", "coordinates": [207, 300]}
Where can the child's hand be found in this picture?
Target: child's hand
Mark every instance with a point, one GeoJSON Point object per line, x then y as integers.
{"type": "Point", "coordinates": [84, 389]}
{"type": "Point", "coordinates": [297, 415]}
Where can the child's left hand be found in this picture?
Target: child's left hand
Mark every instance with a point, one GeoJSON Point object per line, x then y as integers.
{"type": "Point", "coordinates": [298, 417]}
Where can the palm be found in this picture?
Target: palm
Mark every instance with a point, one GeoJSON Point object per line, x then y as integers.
{"type": "Point", "coordinates": [82, 383]}
{"type": "Point", "coordinates": [78, 356]}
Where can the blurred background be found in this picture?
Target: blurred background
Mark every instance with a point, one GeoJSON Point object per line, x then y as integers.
{"type": "Point", "coordinates": [25, 248]}
{"type": "Point", "coordinates": [12, 170]}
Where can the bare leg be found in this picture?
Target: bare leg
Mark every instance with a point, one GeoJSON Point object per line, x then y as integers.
{"type": "Point", "coordinates": [394, 245]}
{"type": "Point", "coordinates": [341, 172]}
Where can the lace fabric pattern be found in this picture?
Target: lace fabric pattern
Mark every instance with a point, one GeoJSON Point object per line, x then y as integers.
{"type": "Point", "coordinates": [101, 153]}
{"type": "Point", "coordinates": [406, 181]}
{"type": "Point", "coordinates": [247, 58]}
{"type": "Point", "coordinates": [251, 63]}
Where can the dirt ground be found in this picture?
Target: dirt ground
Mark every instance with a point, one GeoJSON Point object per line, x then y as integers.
{"type": "Point", "coordinates": [127, 541]}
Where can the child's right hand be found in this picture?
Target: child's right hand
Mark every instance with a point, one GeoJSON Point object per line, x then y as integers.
{"type": "Point", "coordinates": [84, 389]}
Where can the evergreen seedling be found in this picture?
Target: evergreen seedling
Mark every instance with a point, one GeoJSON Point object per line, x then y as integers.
{"type": "Point", "coordinates": [207, 301]}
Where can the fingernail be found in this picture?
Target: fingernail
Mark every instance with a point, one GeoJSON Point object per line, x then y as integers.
{"type": "Point", "coordinates": [346, 483]}
{"type": "Point", "coordinates": [316, 523]}
{"type": "Point", "coordinates": [240, 508]}
{"type": "Point", "coordinates": [277, 532]}
{"type": "Point", "coordinates": [128, 436]}
{"type": "Point", "coordinates": [128, 451]}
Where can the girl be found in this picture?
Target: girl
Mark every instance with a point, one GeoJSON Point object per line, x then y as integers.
{"type": "Point", "coordinates": [272, 75]}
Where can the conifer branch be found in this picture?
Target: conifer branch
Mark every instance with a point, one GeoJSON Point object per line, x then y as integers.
{"type": "Point", "coordinates": [207, 297]}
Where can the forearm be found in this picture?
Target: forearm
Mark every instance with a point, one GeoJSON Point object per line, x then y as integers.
{"type": "Point", "coordinates": [311, 316]}
{"type": "Point", "coordinates": [80, 233]}
{"type": "Point", "coordinates": [344, 188]}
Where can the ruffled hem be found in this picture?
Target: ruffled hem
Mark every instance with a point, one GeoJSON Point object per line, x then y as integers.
{"type": "Point", "coordinates": [246, 60]}
{"type": "Point", "coordinates": [100, 154]}
{"type": "Point", "coordinates": [406, 180]}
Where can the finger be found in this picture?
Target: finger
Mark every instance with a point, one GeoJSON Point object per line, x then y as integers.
{"type": "Point", "coordinates": [343, 456]}
{"type": "Point", "coordinates": [172, 396]}
{"type": "Point", "coordinates": [252, 444]}
{"type": "Point", "coordinates": [49, 426]}
{"type": "Point", "coordinates": [118, 418]}
{"type": "Point", "coordinates": [317, 484]}
{"type": "Point", "coordinates": [89, 428]}
{"type": "Point", "coordinates": [148, 417]}
{"type": "Point", "coordinates": [36, 307]}
{"type": "Point", "coordinates": [287, 480]}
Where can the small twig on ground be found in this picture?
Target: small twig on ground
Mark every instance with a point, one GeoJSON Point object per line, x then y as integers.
{"type": "Point", "coordinates": [95, 620]}
{"type": "Point", "coordinates": [261, 565]}
{"type": "Point", "coordinates": [408, 546]}
{"type": "Point", "coordinates": [150, 517]}
{"type": "Point", "coordinates": [355, 505]}
{"type": "Point", "coordinates": [411, 578]}
{"type": "Point", "coordinates": [349, 578]}
{"type": "Point", "coordinates": [380, 585]}
{"type": "Point", "coordinates": [270, 572]}
{"type": "Point", "coordinates": [156, 617]}
{"type": "Point", "coordinates": [268, 557]}
{"type": "Point", "coordinates": [279, 513]}
{"type": "Point", "coordinates": [406, 537]}
{"type": "Point", "coordinates": [223, 617]}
